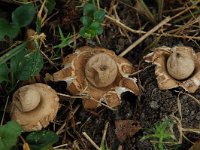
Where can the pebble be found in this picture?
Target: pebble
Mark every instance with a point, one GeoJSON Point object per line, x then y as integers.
{"type": "Point", "coordinates": [198, 116]}
{"type": "Point", "coordinates": [154, 105]}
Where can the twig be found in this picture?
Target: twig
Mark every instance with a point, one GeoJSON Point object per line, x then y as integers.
{"type": "Point", "coordinates": [141, 70]}
{"type": "Point", "coordinates": [4, 110]}
{"type": "Point", "coordinates": [194, 98]}
{"type": "Point", "coordinates": [59, 146]}
{"type": "Point", "coordinates": [91, 141]}
{"type": "Point", "coordinates": [86, 97]}
{"type": "Point", "coordinates": [69, 96]}
{"type": "Point", "coordinates": [179, 106]}
{"type": "Point", "coordinates": [167, 19]}
{"type": "Point", "coordinates": [69, 117]}
{"type": "Point", "coordinates": [46, 57]}
{"type": "Point", "coordinates": [104, 134]}
{"type": "Point", "coordinates": [118, 23]}
{"type": "Point", "coordinates": [103, 104]}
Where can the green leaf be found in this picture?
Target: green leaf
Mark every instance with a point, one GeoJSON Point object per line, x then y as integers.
{"type": "Point", "coordinates": [9, 134]}
{"type": "Point", "coordinates": [96, 26]}
{"type": "Point", "coordinates": [32, 65]}
{"type": "Point", "coordinates": [17, 62]}
{"type": "Point", "coordinates": [86, 20]}
{"type": "Point", "coordinates": [8, 29]}
{"type": "Point", "coordinates": [25, 66]}
{"type": "Point", "coordinates": [12, 52]}
{"type": "Point", "coordinates": [99, 15]}
{"type": "Point", "coordinates": [88, 32]}
{"type": "Point", "coordinates": [82, 32]}
{"type": "Point", "coordinates": [4, 72]}
{"type": "Point", "coordinates": [89, 9]}
{"type": "Point", "coordinates": [41, 140]}
{"type": "Point", "coordinates": [99, 30]}
{"type": "Point", "coordinates": [23, 15]}
{"type": "Point", "coordinates": [50, 4]}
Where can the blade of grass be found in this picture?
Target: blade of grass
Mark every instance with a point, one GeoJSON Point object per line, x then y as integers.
{"type": "Point", "coordinates": [144, 8]}
{"type": "Point", "coordinates": [12, 52]}
{"type": "Point", "coordinates": [186, 16]}
{"type": "Point", "coordinates": [160, 8]}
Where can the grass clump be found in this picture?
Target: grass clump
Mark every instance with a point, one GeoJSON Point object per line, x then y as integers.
{"type": "Point", "coordinates": [161, 134]}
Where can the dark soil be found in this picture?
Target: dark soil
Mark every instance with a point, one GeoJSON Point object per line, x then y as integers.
{"type": "Point", "coordinates": [149, 108]}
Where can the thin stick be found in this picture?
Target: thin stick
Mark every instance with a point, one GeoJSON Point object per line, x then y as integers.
{"type": "Point", "coordinates": [167, 19]}
{"type": "Point", "coordinates": [4, 110]}
{"type": "Point", "coordinates": [103, 104]}
{"type": "Point", "coordinates": [194, 98]}
{"type": "Point", "coordinates": [85, 96]}
{"type": "Point", "coordinates": [69, 96]}
{"type": "Point", "coordinates": [191, 130]}
{"type": "Point", "coordinates": [118, 23]}
{"type": "Point", "coordinates": [104, 134]}
{"type": "Point", "coordinates": [91, 141]}
{"type": "Point", "coordinates": [59, 146]}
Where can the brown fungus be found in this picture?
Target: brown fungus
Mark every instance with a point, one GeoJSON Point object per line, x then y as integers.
{"type": "Point", "coordinates": [34, 106]}
{"type": "Point", "coordinates": [177, 66]}
{"type": "Point", "coordinates": [99, 74]}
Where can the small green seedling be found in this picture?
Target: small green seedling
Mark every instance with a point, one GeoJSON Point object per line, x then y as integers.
{"type": "Point", "coordinates": [103, 147]}
{"type": "Point", "coordinates": [152, 15]}
{"type": "Point", "coordinates": [21, 17]}
{"type": "Point", "coordinates": [92, 19]}
{"type": "Point", "coordinates": [161, 134]}
{"type": "Point", "coordinates": [9, 134]}
{"type": "Point", "coordinates": [65, 41]}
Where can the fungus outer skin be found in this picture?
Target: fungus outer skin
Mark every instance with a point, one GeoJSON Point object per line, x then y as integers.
{"type": "Point", "coordinates": [82, 86]}
{"type": "Point", "coordinates": [164, 80]}
{"type": "Point", "coordinates": [43, 114]}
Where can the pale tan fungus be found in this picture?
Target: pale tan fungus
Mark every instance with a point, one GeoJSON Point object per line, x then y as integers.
{"type": "Point", "coordinates": [34, 106]}
{"type": "Point", "coordinates": [101, 70]}
{"type": "Point", "coordinates": [96, 73]}
{"type": "Point", "coordinates": [177, 66]}
{"type": "Point", "coordinates": [180, 65]}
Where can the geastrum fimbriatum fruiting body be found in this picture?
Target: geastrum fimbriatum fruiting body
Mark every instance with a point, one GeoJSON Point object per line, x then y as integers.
{"type": "Point", "coordinates": [99, 74]}
{"type": "Point", "coordinates": [34, 106]}
{"type": "Point", "coordinates": [177, 66]}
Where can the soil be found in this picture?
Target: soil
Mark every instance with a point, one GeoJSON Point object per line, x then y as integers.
{"type": "Point", "coordinates": [150, 107]}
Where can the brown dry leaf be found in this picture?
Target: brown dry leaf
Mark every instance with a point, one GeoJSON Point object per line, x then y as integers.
{"type": "Point", "coordinates": [196, 146]}
{"type": "Point", "coordinates": [126, 128]}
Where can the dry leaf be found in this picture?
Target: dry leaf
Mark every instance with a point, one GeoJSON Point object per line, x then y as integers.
{"type": "Point", "coordinates": [126, 128]}
{"type": "Point", "coordinates": [196, 146]}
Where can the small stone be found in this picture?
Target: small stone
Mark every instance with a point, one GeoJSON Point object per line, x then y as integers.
{"type": "Point", "coordinates": [154, 105]}
{"type": "Point", "coordinates": [198, 116]}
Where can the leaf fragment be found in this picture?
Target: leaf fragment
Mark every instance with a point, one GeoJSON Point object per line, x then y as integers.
{"type": "Point", "coordinates": [9, 134]}
{"type": "Point", "coordinates": [41, 140]}
{"type": "Point", "coordinates": [23, 15]}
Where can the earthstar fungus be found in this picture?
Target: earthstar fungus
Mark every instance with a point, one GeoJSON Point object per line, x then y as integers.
{"type": "Point", "coordinates": [99, 74]}
{"type": "Point", "coordinates": [177, 66]}
{"type": "Point", "coordinates": [34, 106]}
